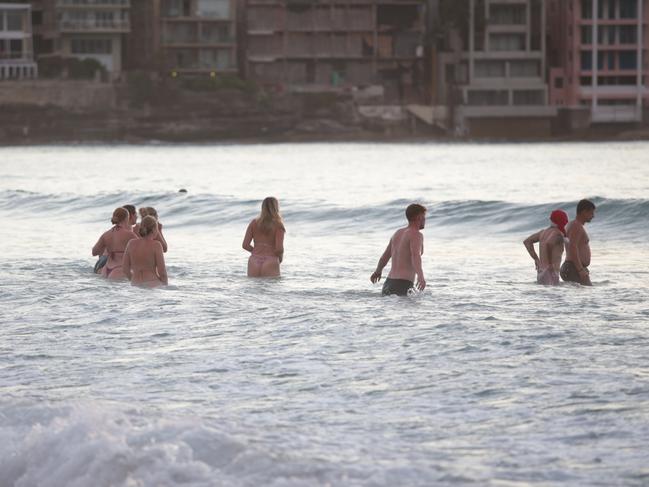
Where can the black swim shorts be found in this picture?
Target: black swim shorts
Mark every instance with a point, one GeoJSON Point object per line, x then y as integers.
{"type": "Point", "coordinates": [399, 287]}
{"type": "Point", "coordinates": [569, 272]}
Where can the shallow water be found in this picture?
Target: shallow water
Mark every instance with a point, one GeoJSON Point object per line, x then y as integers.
{"type": "Point", "coordinates": [313, 379]}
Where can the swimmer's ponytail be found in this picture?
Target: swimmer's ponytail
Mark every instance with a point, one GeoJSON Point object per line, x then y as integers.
{"type": "Point", "coordinates": [119, 215]}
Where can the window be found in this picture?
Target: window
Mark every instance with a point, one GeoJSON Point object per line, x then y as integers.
{"type": "Point", "coordinates": [586, 60]}
{"type": "Point", "coordinates": [628, 9]}
{"type": "Point", "coordinates": [508, 14]}
{"type": "Point", "coordinates": [219, 9]}
{"type": "Point", "coordinates": [91, 46]}
{"type": "Point", "coordinates": [558, 82]}
{"type": "Point", "coordinates": [507, 42]}
{"type": "Point", "coordinates": [628, 60]}
{"type": "Point", "coordinates": [586, 80]}
{"type": "Point", "coordinates": [524, 69]}
{"type": "Point", "coordinates": [490, 69]}
{"type": "Point", "coordinates": [628, 34]}
{"type": "Point", "coordinates": [586, 34]}
{"type": "Point", "coordinates": [14, 21]}
{"type": "Point", "coordinates": [528, 97]}
{"type": "Point", "coordinates": [487, 98]}
{"type": "Point", "coordinates": [606, 35]}
{"type": "Point", "coordinates": [586, 9]}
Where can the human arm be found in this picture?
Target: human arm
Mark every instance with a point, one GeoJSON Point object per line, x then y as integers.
{"type": "Point", "coordinates": [279, 244]}
{"type": "Point", "coordinates": [383, 261]}
{"type": "Point", "coordinates": [529, 245]}
{"type": "Point", "coordinates": [99, 247]}
{"type": "Point", "coordinates": [160, 238]}
{"type": "Point", "coordinates": [126, 262]}
{"type": "Point", "coordinates": [247, 239]}
{"type": "Point", "coordinates": [416, 248]}
{"type": "Point", "coordinates": [160, 266]}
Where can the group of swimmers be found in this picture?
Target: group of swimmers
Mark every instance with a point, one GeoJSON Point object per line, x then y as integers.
{"type": "Point", "coordinates": [135, 251]}
{"type": "Point", "coordinates": [131, 250]}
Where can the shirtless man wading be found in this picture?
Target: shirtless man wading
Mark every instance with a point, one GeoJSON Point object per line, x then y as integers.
{"type": "Point", "coordinates": [575, 268]}
{"type": "Point", "coordinates": [550, 242]}
{"type": "Point", "coordinates": [405, 249]}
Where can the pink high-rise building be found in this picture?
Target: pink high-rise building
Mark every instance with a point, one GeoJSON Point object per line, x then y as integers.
{"type": "Point", "coordinates": [599, 57]}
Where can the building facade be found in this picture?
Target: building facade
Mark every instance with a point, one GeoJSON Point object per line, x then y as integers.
{"type": "Point", "coordinates": [198, 37]}
{"type": "Point", "coordinates": [600, 57]}
{"type": "Point", "coordinates": [16, 42]}
{"type": "Point", "coordinates": [497, 71]}
{"type": "Point", "coordinates": [94, 29]}
{"type": "Point", "coordinates": [335, 43]}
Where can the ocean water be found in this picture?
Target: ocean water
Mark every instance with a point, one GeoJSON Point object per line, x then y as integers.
{"type": "Point", "coordinates": [485, 378]}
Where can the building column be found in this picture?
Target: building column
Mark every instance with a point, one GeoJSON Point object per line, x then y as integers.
{"type": "Point", "coordinates": [640, 56]}
{"type": "Point", "coordinates": [471, 39]}
{"type": "Point", "coordinates": [595, 45]}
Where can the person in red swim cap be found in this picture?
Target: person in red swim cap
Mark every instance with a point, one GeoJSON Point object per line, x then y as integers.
{"type": "Point", "coordinates": [551, 244]}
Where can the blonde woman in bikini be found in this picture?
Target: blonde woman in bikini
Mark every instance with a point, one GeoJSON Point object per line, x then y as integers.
{"type": "Point", "coordinates": [264, 239]}
{"type": "Point", "coordinates": [114, 242]}
{"type": "Point", "coordinates": [144, 262]}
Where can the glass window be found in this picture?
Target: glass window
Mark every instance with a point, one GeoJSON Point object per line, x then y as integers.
{"type": "Point", "coordinates": [586, 60]}
{"type": "Point", "coordinates": [586, 34]}
{"type": "Point", "coordinates": [628, 9]}
{"type": "Point", "coordinates": [219, 9]}
{"type": "Point", "coordinates": [628, 60]}
{"type": "Point", "coordinates": [628, 34]}
{"type": "Point", "coordinates": [524, 69]}
{"type": "Point", "coordinates": [490, 69]}
{"type": "Point", "coordinates": [528, 97]}
{"type": "Point", "coordinates": [507, 42]}
{"type": "Point", "coordinates": [14, 21]}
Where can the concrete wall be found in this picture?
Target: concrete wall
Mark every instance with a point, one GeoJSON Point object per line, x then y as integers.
{"type": "Point", "coordinates": [71, 95]}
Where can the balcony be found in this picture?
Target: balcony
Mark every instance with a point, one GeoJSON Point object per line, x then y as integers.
{"type": "Point", "coordinates": [95, 26]}
{"type": "Point", "coordinates": [93, 4]}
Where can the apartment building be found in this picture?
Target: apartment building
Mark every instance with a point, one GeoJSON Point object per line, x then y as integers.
{"type": "Point", "coordinates": [16, 42]}
{"type": "Point", "coordinates": [93, 29]}
{"type": "Point", "coordinates": [198, 37]}
{"type": "Point", "coordinates": [497, 74]}
{"type": "Point", "coordinates": [336, 43]}
{"type": "Point", "coordinates": [599, 57]}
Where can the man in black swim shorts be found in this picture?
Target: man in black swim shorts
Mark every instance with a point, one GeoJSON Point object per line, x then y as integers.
{"type": "Point", "coordinates": [405, 249]}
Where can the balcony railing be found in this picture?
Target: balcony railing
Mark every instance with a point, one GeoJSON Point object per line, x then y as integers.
{"type": "Point", "coordinates": [93, 3]}
{"type": "Point", "coordinates": [94, 25]}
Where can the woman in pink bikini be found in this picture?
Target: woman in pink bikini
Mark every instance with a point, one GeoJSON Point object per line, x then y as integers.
{"type": "Point", "coordinates": [267, 233]}
{"type": "Point", "coordinates": [144, 262]}
{"type": "Point", "coordinates": [114, 242]}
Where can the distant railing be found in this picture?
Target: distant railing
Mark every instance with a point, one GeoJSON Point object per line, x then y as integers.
{"type": "Point", "coordinates": [93, 3]}
{"type": "Point", "coordinates": [96, 24]}
{"type": "Point", "coordinates": [13, 55]}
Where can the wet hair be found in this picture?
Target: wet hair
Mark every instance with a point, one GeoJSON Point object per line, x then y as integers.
{"type": "Point", "coordinates": [143, 212]}
{"type": "Point", "coordinates": [148, 225]}
{"type": "Point", "coordinates": [151, 211]}
{"type": "Point", "coordinates": [414, 210]}
{"type": "Point", "coordinates": [119, 215]}
{"type": "Point", "coordinates": [585, 205]}
{"type": "Point", "coordinates": [130, 209]}
{"type": "Point", "coordinates": [270, 218]}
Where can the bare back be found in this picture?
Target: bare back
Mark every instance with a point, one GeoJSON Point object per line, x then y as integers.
{"type": "Point", "coordinates": [114, 242]}
{"type": "Point", "coordinates": [550, 249]}
{"type": "Point", "coordinates": [144, 263]}
{"type": "Point", "coordinates": [402, 262]}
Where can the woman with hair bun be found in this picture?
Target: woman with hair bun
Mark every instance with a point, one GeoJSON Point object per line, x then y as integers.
{"type": "Point", "coordinates": [114, 242]}
{"type": "Point", "coordinates": [267, 232]}
{"type": "Point", "coordinates": [144, 262]}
